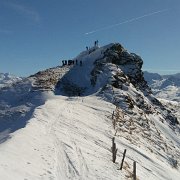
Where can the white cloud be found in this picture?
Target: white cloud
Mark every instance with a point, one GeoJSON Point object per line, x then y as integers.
{"type": "Point", "coordinates": [31, 14]}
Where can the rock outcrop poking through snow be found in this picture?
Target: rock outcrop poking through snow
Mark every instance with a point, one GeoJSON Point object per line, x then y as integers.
{"type": "Point", "coordinates": [122, 71]}
{"type": "Point", "coordinates": [47, 80]}
{"type": "Point", "coordinates": [129, 63]}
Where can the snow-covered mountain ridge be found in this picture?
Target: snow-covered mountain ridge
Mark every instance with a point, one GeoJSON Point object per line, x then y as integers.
{"type": "Point", "coordinates": [164, 86]}
{"type": "Point", "coordinates": [64, 118]}
{"type": "Point", "coordinates": [7, 78]}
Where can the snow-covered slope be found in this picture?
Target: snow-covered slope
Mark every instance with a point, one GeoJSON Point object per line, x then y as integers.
{"type": "Point", "coordinates": [19, 100]}
{"type": "Point", "coordinates": [70, 138]}
{"type": "Point", "coordinates": [59, 123]}
{"type": "Point", "coordinates": [164, 86]}
{"type": "Point", "coordinates": [6, 79]}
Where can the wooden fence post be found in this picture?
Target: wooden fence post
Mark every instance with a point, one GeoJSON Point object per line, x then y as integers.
{"type": "Point", "coordinates": [114, 150]}
{"type": "Point", "coordinates": [124, 154]}
{"type": "Point", "coordinates": [113, 115]}
{"type": "Point", "coordinates": [113, 120]}
{"type": "Point", "coordinates": [114, 123]}
{"type": "Point", "coordinates": [113, 141]}
{"type": "Point", "coordinates": [134, 170]}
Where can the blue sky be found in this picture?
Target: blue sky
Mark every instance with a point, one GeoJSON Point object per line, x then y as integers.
{"type": "Point", "coordinates": [37, 34]}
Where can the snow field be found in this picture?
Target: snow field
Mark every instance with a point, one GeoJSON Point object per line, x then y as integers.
{"type": "Point", "coordinates": [71, 138]}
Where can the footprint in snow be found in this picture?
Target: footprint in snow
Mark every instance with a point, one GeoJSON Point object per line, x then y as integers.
{"type": "Point", "coordinates": [49, 172]}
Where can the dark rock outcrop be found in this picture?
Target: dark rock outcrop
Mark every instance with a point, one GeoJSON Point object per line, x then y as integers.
{"type": "Point", "coordinates": [129, 63]}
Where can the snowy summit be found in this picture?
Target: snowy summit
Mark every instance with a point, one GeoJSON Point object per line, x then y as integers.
{"type": "Point", "coordinates": [59, 124]}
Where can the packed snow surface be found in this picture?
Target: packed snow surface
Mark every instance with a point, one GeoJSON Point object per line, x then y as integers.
{"type": "Point", "coordinates": [70, 138]}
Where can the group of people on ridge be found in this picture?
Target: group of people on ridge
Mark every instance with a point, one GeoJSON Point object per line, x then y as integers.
{"type": "Point", "coordinates": [95, 45]}
{"type": "Point", "coordinates": [72, 62]}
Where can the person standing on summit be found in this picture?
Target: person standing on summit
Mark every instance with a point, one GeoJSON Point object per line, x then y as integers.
{"type": "Point", "coordinates": [80, 62]}
{"type": "Point", "coordinates": [96, 43]}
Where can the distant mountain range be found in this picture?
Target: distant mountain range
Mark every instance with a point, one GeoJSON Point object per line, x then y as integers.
{"type": "Point", "coordinates": [164, 86]}
{"type": "Point", "coordinates": [7, 78]}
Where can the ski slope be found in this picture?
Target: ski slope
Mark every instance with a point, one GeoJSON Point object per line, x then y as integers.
{"type": "Point", "coordinates": [70, 138]}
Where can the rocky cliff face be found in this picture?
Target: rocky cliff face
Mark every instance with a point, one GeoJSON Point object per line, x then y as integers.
{"type": "Point", "coordinates": [126, 85]}
{"type": "Point", "coordinates": [130, 64]}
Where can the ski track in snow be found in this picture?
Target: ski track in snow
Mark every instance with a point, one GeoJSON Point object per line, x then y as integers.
{"type": "Point", "coordinates": [64, 125]}
{"type": "Point", "coordinates": [69, 169]}
{"type": "Point", "coordinates": [70, 138]}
